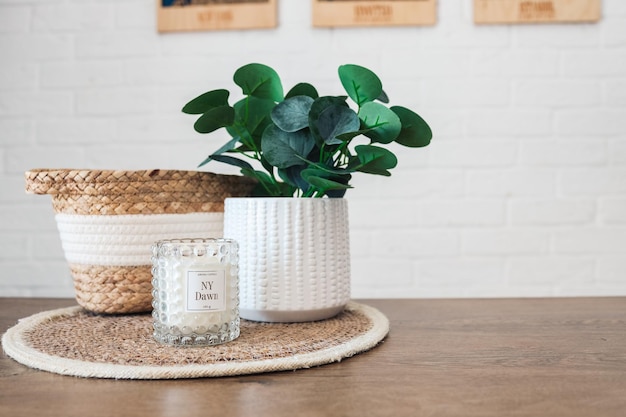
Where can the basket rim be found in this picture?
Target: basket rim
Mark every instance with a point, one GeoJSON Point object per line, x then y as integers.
{"type": "Point", "coordinates": [51, 181]}
{"type": "Point", "coordinates": [101, 175]}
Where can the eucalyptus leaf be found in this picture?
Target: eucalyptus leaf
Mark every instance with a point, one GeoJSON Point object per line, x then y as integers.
{"type": "Point", "coordinates": [302, 89]}
{"type": "Point", "coordinates": [261, 176]}
{"type": "Point", "coordinates": [317, 108]}
{"type": "Point", "coordinates": [265, 185]}
{"type": "Point", "coordinates": [347, 137]}
{"type": "Point", "coordinates": [252, 112]}
{"type": "Point", "coordinates": [361, 84]}
{"type": "Point", "coordinates": [336, 120]}
{"type": "Point", "coordinates": [285, 190]}
{"type": "Point", "coordinates": [375, 160]}
{"type": "Point", "coordinates": [252, 116]}
{"type": "Point", "coordinates": [227, 147]}
{"type": "Point", "coordinates": [214, 119]}
{"type": "Point", "coordinates": [384, 125]}
{"type": "Point", "coordinates": [330, 170]}
{"type": "Point", "coordinates": [342, 180]}
{"type": "Point", "coordinates": [206, 102]}
{"type": "Point", "coordinates": [266, 164]}
{"type": "Point", "coordinates": [260, 81]}
{"type": "Point", "coordinates": [326, 183]}
{"type": "Point", "coordinates": [284, 149]}
{"type": "Point", "coordinates": [383, 98]}
{"type": "Point", "coordinates": [293, 176]}
{"type": "Point", "coordinates": [337, 193]}
{"type": "Point", "coordinates": [321, 103]}
{"type": "Point", "coordinates": [230, 161]}
{"type": "Point", "coordinates": [293, 113]}
{"type": "Point", "coordinates": [415, 131]}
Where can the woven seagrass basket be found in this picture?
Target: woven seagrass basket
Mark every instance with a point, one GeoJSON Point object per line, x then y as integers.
{"type": "Point", "coordinates": [109, 219]}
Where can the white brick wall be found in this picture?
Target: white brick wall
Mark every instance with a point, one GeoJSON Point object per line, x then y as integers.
{"type": "Point", "coordinates": [522, 192]}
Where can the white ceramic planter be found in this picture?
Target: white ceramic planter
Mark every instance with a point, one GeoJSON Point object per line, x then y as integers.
{"type": "Point", "coordinates": [294, 256]}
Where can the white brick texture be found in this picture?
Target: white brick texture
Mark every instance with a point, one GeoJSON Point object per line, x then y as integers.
{"type": "Point", "coordinates": [521, 193]}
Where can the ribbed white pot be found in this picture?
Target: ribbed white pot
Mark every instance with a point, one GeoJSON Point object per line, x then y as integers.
{"type": "Point", "coordinates": [294, 256]}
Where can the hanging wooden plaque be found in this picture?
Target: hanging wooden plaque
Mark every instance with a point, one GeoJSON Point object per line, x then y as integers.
{"type": "Point", "coordinates": [185, 15]}
{"type": "Point", "coordinates": [536, 11]}
{"type": "Point", "coordinates": [333, 13]}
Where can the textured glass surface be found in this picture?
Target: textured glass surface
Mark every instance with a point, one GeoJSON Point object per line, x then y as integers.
{"type": "Point", "coordinates": [195, 295]}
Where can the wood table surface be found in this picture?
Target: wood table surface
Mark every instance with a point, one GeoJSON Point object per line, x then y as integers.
{"type": "Point", "coordinates": [461, 357]}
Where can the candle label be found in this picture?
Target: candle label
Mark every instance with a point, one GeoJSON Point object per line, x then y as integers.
{"type": "Point", "coordinates": [206, 290]}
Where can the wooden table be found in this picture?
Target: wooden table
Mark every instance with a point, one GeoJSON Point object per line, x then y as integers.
{"type": "Point", "coordinates": [496, 357]}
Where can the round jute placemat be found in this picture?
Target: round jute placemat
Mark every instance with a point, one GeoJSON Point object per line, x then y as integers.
{"type": "Point", "coordinates": [72, 341]}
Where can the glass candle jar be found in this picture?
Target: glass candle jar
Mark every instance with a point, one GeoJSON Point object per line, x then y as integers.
{"type": "Point", "coordinates": [195, 295]}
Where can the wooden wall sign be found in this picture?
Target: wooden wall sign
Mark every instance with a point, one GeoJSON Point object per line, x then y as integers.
{"type": "Point", "coordinates": [184, 15]}
{"type": "Point", "coordinates": [536, 11]}
{"type": "Point", "coordinates": [332, 13]}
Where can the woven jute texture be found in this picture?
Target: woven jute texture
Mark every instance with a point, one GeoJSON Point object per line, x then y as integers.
{"type": "Point", "coordinates": [156, 191]}
{"type": "Point", "coordinates": [113, 289]}
{"type": "Point", "coordinates": [74, 342]}
{"type": "Point", "coordinates": [121, 288]}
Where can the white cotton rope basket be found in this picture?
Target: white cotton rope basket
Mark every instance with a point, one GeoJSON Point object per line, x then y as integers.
{"type": "Point", "coordinates": [108, 219]}
{"type": "Point", "coordinates": [262, 347]}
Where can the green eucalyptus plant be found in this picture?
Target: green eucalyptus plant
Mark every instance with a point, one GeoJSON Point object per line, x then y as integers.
{"type": "Point", "coordinates": [306, 143]}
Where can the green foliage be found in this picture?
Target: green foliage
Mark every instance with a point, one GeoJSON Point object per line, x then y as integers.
{"type": "Point", "coordinates": [304, 142]}
{"type": "Point", "coordinates": [259, 81]}
{"type": "Point", "coordinates": [361, 84]}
